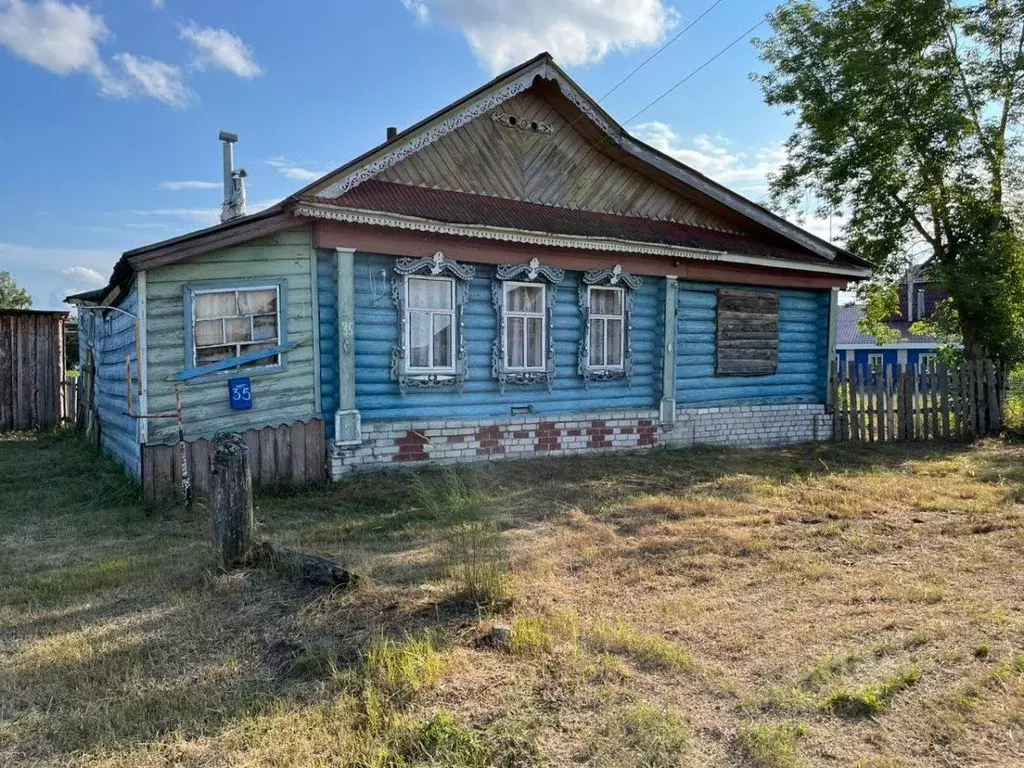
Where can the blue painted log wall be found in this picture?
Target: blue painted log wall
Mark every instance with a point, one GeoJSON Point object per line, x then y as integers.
{"type": "Point", "coordinates": [112, 337]}
{"type": "Point", "coordinates": [378, 398]}
{"type": "Point", "coordinates": [803, 350]}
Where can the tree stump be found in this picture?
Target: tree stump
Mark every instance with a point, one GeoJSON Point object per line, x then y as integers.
{"type": "Point", "coordinates": [231, 500]}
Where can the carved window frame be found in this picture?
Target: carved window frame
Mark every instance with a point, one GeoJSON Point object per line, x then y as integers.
{"type": "Point", "coordinates": [609, 277]}
{"type": "Point", "coordinates": [537, 273]}
{"type": "Point", "coordinates": [433, 266]}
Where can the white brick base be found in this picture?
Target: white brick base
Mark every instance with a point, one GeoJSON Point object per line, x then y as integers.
{"type": "Point", "coordinates": [395, 444]}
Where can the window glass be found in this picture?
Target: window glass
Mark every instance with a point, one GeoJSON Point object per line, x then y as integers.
{"type": "Point", "coordinates": [605, 301]}
{"type": "Point", "coordinates": [430, 317]}
{"type": "Point", "coordinates": [233, 323]}
{"type": "Point", "coordinates": [614, 346]}
{"type": "Point", "coordinates": [516, 337]}
{"type": "Point", "coordinates": [535, 342]}
{"type": "Point", "coordinates": [596, 342]}
{"type": "Point", "coordinates": [525, 298]}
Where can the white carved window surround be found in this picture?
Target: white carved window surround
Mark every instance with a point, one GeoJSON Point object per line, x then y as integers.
{"type": "Point", "coordinates": [430, 294]}
{"type": "Point", "coordinates": [606, 303]}
{"type": "Point", "coordinates": [524, 302]}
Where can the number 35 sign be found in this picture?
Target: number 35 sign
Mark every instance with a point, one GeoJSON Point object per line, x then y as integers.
{"type": "Point", "coordinates": [240, 393]}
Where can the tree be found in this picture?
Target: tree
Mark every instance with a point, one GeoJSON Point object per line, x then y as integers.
{"type": "Point", "coordinates": [908, 118]}
{"type": "Point", "coordinates": [12, 295]}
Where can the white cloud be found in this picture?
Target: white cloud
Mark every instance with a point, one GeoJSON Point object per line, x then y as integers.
{"type": "Point", "coordinates": [205, 216]}
{"type": "Point", "coordinates": [176, 186]}
{"type": "Point", "coordinates": [42, 270]}
{"type": "Point", "coordinates": [64, 39]}
{"type": "Point", "coordinates": [292, 171]}
{"type": "Point", "coordinates": [417, 8]}
{"type": "Point", "coordinates": [163, 82]}
{"type": "Point", "coordinates": [744, 171]}
{"type": "Point", "coordinates": [219, 49]}
{"type": "Point", "coordinates": [502, 33]}
{"type": "Point", "coordinates": [158, 4]}
{"type": "Point", "coordinates": [84, 275]}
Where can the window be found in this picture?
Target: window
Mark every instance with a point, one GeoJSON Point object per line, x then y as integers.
{"type": "Point", "coordinates": [607, 327]}
{"type": "Point", "coordinates": [525, 327]}
{"type": "Point", "coordinates": [234, 322]}
{"type": "Point", "coordinates": [524, 295]}
{"type": "Point", "coordinates": [875, 362]}
{"type": "Point", "coordinates": [926, 361]}
{"type": "Point", "coordinates": [747, 337]}
{"type": "Point", "coordinates": [430, 293]}
{"type": "Point", "coordinates": [430, 308]}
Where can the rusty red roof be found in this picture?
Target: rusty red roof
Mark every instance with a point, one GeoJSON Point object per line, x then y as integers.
{"type": "Point", "coordinates": [465, 208]}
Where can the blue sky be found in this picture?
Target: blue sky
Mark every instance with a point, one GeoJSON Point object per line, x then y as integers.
{"type": "Point", "coordinates": [110, 138]}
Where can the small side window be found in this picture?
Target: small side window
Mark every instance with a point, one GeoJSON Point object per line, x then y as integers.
{"type": "Point", "coordinates": [225, 322]}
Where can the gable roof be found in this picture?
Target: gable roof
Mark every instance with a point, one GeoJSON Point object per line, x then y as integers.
{"type": "Point", "coordinates": [849, 335]}
{"type": "Point", "coordinates": [331, 188]}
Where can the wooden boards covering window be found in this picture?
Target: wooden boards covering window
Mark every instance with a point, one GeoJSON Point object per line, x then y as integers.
{"type": "Point", "coordinates": [748, 333]}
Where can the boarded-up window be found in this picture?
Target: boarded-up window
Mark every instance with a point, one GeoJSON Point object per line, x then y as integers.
{"type": "Point", "coordinates": [748, 333]}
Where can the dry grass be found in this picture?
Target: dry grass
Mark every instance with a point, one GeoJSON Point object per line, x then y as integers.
{"type": "Point", "coordinates": [830, 605]}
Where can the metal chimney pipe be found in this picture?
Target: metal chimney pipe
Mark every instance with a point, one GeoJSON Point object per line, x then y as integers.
{"type": "Point", "coordinates": [230, 207]}
{"type": "Point", "coordinates": [392, 132]}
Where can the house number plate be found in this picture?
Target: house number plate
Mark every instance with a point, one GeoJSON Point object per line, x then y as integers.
{"type": "Point", "coordinates": [240, 393]}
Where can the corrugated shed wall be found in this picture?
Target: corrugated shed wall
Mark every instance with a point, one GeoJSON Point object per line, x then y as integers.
{"type": "Point", "coordinates": [803, 348]}
{"type": "Point", "coordinates": [281, 397]}
{"type": "Point", "coordinates": [378, 398]}
{"type": "Point", "coordinates": [112, 337]}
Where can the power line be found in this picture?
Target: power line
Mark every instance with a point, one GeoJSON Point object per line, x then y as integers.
{"type": "Point", "coordinates": [694, 72]}
{"type": "Point", "coordinates": [648, 60]}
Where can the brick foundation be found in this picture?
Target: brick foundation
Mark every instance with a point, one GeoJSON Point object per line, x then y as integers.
{"type": "Point", "coordinates": [456, 440]}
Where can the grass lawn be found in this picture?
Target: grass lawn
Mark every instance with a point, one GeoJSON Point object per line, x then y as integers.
{"type": "Point", "coordinates": [833, 605]}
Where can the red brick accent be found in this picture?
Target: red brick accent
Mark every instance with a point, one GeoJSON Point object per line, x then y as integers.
{"type": "Point", "coordinates": [521, 434]}
{"type": "Point", "coordinates": [456, 438]}
{"type": "Point", "coordinates": [646, 432]}
{"type": "Point", "coordinates": [599, 434]}
{"type": "Point", "coordinates": [573, 432]}
{"type": "Point", "coordinates": [627, 430]}
{"type": "Point", "coordinates": [549, 437]}
{"type": "Point", "coordinates": [489, 439]}
{"type": "Point", "coordinates": [412, 447]}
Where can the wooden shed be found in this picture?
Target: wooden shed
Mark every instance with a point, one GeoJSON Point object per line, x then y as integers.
{"type": "Point", "coordinates": [31, 369]}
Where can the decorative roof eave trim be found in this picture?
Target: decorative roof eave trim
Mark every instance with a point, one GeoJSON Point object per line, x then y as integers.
{"type": "Point", "coordinates": [485, 103]}
{"type": "Point", "coordinates": [578, 242]}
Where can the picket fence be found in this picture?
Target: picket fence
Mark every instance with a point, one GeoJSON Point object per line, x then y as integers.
{"type": "Point", "coordinates": [907, 402]}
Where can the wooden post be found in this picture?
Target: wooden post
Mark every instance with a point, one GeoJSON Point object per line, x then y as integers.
{"type": "Point", "coordinates": [944, 399]}
{"type": "Point", "coordinates": [904, 405]}
{"type": "Point", "coordinates": [852, 382]}
{"type": "Point", "coordinates": [994, 416]}
{"type": "Point", "coordinates": [231, 500]}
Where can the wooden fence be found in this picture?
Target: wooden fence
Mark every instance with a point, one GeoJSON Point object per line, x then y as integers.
{"type": "Point", "coordinates": [289, 454]}
{"type": "Point", "coordinates": [31, 369]}
{"type": "Point", "coordinates": [918, 403]}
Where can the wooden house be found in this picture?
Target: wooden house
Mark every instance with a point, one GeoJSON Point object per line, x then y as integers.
{"type": "Point", "coordinates": [515, 275]}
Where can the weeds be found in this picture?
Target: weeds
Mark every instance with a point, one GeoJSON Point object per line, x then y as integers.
{"type": "Point", "coordinates": [642, 735]}
{"type": "Point", "coordinates": [648, 650]}
{"type": "Point", "coordinates": [873, 699]}
{"type": "Point", "coordinates": [771, 745]}
{"type": "Point", "coordinates": [478, 563]}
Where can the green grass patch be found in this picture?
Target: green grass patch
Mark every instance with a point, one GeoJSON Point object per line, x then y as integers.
{"type": "Point", "coordinates": [872, 699]}
{"type": "Point", "coordinates": [647, 650]}
{"type": "Point", "coordinates": [771, 745]}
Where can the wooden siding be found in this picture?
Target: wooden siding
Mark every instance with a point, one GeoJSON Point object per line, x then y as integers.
{"type": "Point", "coordinates": [294, 454]}
{"type": "Point", "coordinates": [111, 337]}
{"type": "Point", "coordinates": [378, 398]}
{"type": "Point", "coordinates": [748, 333]}
{"type": "Point", "coordinates": [280, 397]}
{"type": "Point", "coordinates": [31, 370]}
{"type": "Point", "coordinates": [803, 352]}
{"type": "Point", "coordinates": [562, 168]}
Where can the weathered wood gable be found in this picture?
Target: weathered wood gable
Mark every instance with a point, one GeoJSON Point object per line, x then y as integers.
{"type": "Point", "coordinates": [524, 149]}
